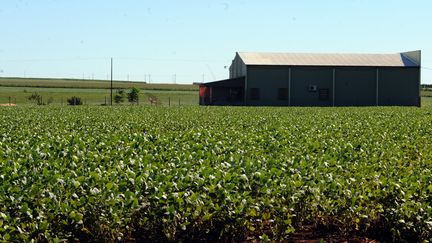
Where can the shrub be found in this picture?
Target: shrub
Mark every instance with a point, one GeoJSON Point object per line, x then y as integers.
{"type": "Point", "coordinates": [74, 101]}
{"type": "Point", "coordinates": [119, 97]}
{"type": "Point", "coordinates": [133, 95]}
{"type": "Point", "coordinates": [36, 98]}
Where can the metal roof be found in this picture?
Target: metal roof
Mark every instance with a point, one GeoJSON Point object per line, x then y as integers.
{"type": "Point", "coordinates": [233, 82]}
{"type": "Point", "coordinates": [305, 59]}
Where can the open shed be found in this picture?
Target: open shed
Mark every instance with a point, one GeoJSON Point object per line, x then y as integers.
{"type": "Point", "coordinates": [223, 92]}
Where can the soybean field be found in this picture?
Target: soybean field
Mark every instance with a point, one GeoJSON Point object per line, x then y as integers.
{"type": "Point", "coordinates": [142, 173]}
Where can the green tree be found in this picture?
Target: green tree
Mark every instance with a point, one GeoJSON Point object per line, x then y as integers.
{"type": "Point", "coordinates": [36, 98]}
{"type": "Point", "coordinates": [119, 97]}
{"type": "Point", "coordinates": [133, 95]}
{"type": "Point", "coordinates": [74, 101]}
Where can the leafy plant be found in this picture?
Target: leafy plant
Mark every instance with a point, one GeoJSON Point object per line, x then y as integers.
{"type": "Point", "coordinates": [133, 95]}
{"type": "Point", "coordinates": [214, 173]}
{"type": "Point", "coordinates": [119, 97]}
{"type": "Point", "coordinates": [36, 98]}
{"type": "Point", "coordinates": [74, 101]}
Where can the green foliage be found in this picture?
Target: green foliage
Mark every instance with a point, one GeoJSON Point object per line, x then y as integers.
{"type": "Point", "coordinates": [133, 95]}
{"type": "Point", "coordinates": [119, 96]}
{"type": "Point", "coordinates": [141, 173]}
{"type": "Point", "coordinates": [74, 101]}
{"type": "Point", "coordinates": [36, 98]}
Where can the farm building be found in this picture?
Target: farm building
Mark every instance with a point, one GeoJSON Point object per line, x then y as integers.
{"type": "Point", "coordinates": [289, 79]}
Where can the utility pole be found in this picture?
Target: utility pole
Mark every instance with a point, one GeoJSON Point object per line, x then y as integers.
{"type": "Point", "coordinates": [111, 81]}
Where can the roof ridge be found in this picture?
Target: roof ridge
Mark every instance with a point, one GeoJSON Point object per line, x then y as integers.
{"type": "Point", "coordinates": [318, 53]}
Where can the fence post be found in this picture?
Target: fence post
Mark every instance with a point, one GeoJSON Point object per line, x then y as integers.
{"type": "Point", "coordinates": [9, 100]}
{"type": "Point", "coordinates": [169, 101]}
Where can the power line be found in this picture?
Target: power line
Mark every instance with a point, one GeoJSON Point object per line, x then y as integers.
{"type": "Point", "coordinates": [104, 58]}
{"type": "Point", "coordinates": [53, 59]}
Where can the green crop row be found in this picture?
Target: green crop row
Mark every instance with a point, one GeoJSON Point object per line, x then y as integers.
{"type": "Point", "coordinates": [214, 173]}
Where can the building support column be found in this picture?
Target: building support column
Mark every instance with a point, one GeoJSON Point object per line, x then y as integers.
{"type": "Point", "coordinates": [334, 87]}
{"type": "Point", "coordinates": [377, 88]}
{"type": "Point", "coordinates": [289, 86]}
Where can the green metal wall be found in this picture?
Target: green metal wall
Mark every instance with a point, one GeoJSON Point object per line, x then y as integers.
{"type": "Point", "coordinates": [268, 80]}
{"type": "Point", "coordinates": [354, 86]}
{"type": "Point", "coordinates": [302, 78]}
{"type": "Point", "coordinates": [398, 86]}
{"type": "Point", "coordinates": [237, 68]}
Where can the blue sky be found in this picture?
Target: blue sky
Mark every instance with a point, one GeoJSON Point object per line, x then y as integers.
{"type": "Point", "coordinates": [193, 40]}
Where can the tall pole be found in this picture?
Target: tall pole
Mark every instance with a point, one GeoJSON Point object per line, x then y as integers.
{"type": "Point", "coordinates": [111, 80]}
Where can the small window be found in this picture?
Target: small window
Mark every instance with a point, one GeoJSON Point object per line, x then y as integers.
{"type": "Point", "coordinates": [283, 94]}
{"type": "Point", "coordinates": [255, 93]}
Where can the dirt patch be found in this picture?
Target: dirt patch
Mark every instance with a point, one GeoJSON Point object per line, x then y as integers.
{"type": "Point", "coordinates": [7, 104]}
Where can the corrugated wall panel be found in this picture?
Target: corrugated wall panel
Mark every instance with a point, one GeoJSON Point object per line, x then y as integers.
{"type": "Point", "coordinates": [398, 86]}
{"type": "Point", "coordinates": [302, 78]}
{"type": "Point", "coordinates": [268, 80]}
{"type": "Point", "coordinates": [355, 87]}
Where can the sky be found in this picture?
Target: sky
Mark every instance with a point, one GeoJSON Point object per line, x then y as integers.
{"type": "Point", "coordinates": [195, 40]}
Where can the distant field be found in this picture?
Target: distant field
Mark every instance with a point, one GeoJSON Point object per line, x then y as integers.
{"type": "Point", "coordinates": [426, 93]}
{"type": "Point", "coordinates": [91, 96]}
{"type": "Point", "coordinates": [426, 101]}
{"type": "Point", "coordinates": [94, 92]}
{"type": "Point", "coordinates": [89, 84]}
